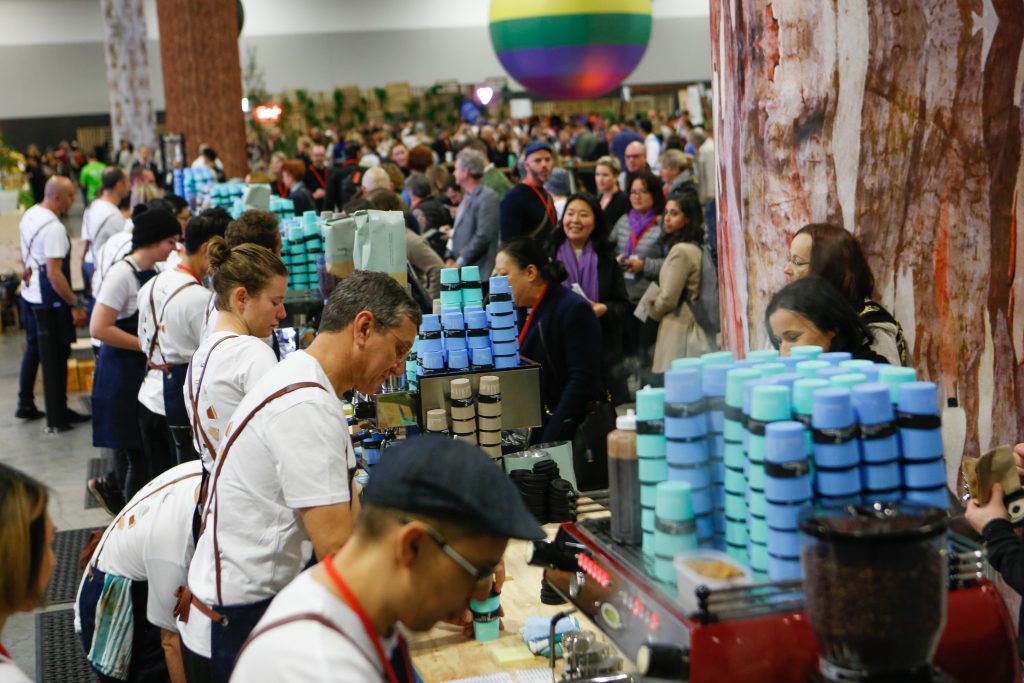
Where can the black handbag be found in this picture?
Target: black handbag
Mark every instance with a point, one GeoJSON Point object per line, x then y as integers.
{"type": "Point", "coordinates": [590, 446]}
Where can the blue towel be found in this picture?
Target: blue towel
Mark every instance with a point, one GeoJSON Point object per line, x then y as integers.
{"type": "Point", "coordinates": [538, 629]}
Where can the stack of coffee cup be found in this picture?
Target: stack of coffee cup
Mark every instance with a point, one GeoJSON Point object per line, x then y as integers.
{"type": "Point", "coordinates": [478, 340]}
{"type": "Point", "coordinates": [768, 403]}
{"type": "Point", "coordinates": [686, 453]}
{"type": "Point", "coordinates": [451, 288]}
{"type": "Point", "coordinates": [713, 384]}
{"type": "Point", "coordinates": [472, 292]}
{"type": "Point", "coordinates": [923, 465]}
{"type": "Point", "coordinates": [650, 450]}
{"type": "Point", "coordinates": [880, 474]}
{"type": "Point", "coordinates": [836, 454]}
{"type": "Point", "coordinates": [463, 410]}
{"type": "Point", "coordinates": [787, 490]}
{"type": "Point", "coordinates": [734, 460]}
{"type": "Point", "coordinates": [674, 527]}
{"type": "Point", "coordinates": [437, 422]}
{"type": "Point", "coordinates": [489, 415]}
{"type": "Point", "coordinates": [503, 333]}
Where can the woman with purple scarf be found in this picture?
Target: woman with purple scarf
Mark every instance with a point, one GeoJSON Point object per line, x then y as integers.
{"type": "Point", "coordinates": [583, 247]}
{"type": "Point", "coordinates": [641, 253]}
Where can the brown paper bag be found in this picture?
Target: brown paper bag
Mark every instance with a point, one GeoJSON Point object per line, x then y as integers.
{"type": "Point", "coordinates": [995, 467]}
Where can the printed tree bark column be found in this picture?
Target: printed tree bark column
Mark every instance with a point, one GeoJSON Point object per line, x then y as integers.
{"type": "Point", "coordinates": [900, 120]}
{"type": "Point", "coordinates": [131, 104]}
{"type": "Point", "coordinates": [203, 77]}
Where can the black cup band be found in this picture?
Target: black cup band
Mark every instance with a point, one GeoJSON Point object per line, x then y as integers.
{"type": "Point", "coordinates": [484, 617]}
{"type": "Point", "coordinates": [462, 402]}
{"type": "Point", "coordinates": [471, 285]}
{"type": "Point", "coordinates": [430, 335]}
{"type": "Point", "coordinates": [716, 403]}
{"type": "Point", "coordinates": [455, 334]}
{"type": "Point", "coordinates": [691, 439]}
{"type": "Point", "coordinates": [501, 296]}
{"type": "Point", "coordinates": [805, 420]}
{"type": "Point", "coordinates": [787, 470]}
{"type": "Point", "coordinates": [912, 421]}
{"type": "Point", "coordinates": [733, 413]}
{"type": "Point", "coordinates": [451, 286]}
{"type": "Point", "coordinates": [882, 430]}
{"type": "Point", "coordinates": [675, 527]}
{"type": "Point", "coordinates": [489, 398]}
{"type": "Point", "coordinates": [692, 409]}
{"type": "Point", "coordinates": [756, 427]}
{"type": "Point", "coordinates": [848, 468]}
{"type": "Point", "coordinates": [835, 437]}
{"type": "Point", "coordinates": [473, 332]}
{"type": "Point", "coordinates": [650, 427]}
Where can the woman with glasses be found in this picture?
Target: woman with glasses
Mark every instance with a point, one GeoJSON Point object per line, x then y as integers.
{"type": "Point", "coordinates": [832, 253]}
{"type": "Point", "coordinates": [641, 253]}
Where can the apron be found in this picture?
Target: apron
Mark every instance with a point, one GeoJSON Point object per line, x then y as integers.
{"type": "Point", "coordinates": [115, 389]}
{"type": "Point", "coordinates": [174, 395]}
{"type": "Point", "coordinates": [65, 323]}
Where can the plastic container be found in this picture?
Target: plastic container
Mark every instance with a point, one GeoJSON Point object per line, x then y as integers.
{"type": "Point", "coordinates": [688, 578]}
{"type": "Point", "coordinates": [763, 356]}
{"type": "Point", "coordinates": [624, 481]}
{"type": "Point", "coordinates": [486, 618]}
{"type": "Point", "coordinates": [876, 582]}
{"type": "Point", "coordinates": [810, 368]}
{"type": "Point", "coordinates": [893, 376]}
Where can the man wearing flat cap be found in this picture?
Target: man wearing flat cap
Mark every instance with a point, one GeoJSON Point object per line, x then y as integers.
{"type": "Point", "coordinates": [436, 517]}
{"type": "Point", "coordinates": [528, 210]}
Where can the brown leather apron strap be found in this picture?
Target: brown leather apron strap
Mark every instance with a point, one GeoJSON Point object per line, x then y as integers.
{"type": "Point", "coordinates": [186, 600]}
{"type": "Point", "coordinates": [304, 616]}
{"type": "Point", "coordinates": [158, 320]}
{"type": "Point", "coordinates": [219, 465]}
{"type": "Point", "coordinates": [193, 398]}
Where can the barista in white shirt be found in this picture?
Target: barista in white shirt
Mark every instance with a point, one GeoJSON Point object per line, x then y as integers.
{"type": "Point", "coordinates": [249, 284]}
{"type": "Point", "coordinates": [103, 219]}
{"type": "Point", "coordinates": [141, 559]}
{"type": "Point", "coordinates": [281, 485]}
{"type": "Point", "coordinates": [171, 308]}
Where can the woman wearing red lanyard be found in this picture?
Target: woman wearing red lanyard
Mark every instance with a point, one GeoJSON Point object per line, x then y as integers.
{"type": "Point", "coordinates": [428, 540]}
{"type": "Point", "coordinates": [560, 331]}
{"type": "Point", "coordinates": [641, 253]}
{"type": "Point", "coordinates": [26, 544]}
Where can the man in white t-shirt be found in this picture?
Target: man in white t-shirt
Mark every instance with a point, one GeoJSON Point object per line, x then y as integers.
{"type": "Point", "coordinates": [143, 556]}
{"type": "Point", "coordinates": [103, 219]}
{"type": "Point", "coordinates": [281, 486]}
{"type": "Point", "coordinates": [436, 519]}
{"type": "Point", "coordinates": [45, 253]}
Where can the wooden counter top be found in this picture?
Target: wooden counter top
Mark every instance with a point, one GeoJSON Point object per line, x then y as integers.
{"type": "Point", "coordinates": [443, 654]}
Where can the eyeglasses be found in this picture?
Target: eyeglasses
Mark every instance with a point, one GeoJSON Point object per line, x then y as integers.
{"type": "Point", "coordinates": [482, 576]}
{"type": "Point", "coordinates": [402, 348]}
{"type": "Point", "coordinates": [638, 193]}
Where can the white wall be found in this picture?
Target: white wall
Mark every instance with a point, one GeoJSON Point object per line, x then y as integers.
{"type": "Point", "coordinates": [51, 55]}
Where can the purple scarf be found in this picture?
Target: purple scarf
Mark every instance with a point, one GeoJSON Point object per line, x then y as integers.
{"type": "Point", "coordinates": [583, 271]}
{"type": "Point", "coordinates": [637, 222]}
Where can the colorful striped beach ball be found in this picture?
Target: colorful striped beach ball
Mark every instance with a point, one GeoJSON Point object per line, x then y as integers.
{"type": "Point", "coordinates": [570, 49]}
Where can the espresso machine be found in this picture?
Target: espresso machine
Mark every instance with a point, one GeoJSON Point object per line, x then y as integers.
{"type": "Point", "coordinates": [887, 595]}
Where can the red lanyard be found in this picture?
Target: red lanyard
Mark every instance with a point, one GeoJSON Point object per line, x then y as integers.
{"type": "Point", "coordinates": [321, 180]}
{"type": "Point", "coordinates": [190, 272]}
{"type": "Point", "coordinates": [353, 603]}
{"type": "Point", "coordinates": [3, 652]}
{"type": "Point", "coordinates": [282, 191]}
{"type": "Point", "coordinates": [635, 239]}
{"type": "Point", "coordinates": [529, 318]}
{"type": "Point", "coordinates": [549, 207]}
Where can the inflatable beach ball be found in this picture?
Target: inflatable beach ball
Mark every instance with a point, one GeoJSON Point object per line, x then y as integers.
{"type": "Point", "coordinates": [570, 49]}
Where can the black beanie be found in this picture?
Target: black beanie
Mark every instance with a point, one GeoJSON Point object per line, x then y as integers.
{"type": "Point", "coordinates": [152, 226]}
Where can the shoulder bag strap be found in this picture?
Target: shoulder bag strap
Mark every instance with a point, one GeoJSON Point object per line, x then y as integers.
{"type": "Point", "coordinates": [193, 397]}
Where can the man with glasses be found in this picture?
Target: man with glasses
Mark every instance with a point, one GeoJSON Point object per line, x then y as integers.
{"type": "Point", "coordinates": [280, 492]}
{"type": "Point", "coordinates": [636, 163]}
{"type": "Point", "coordinates": [436, 517]}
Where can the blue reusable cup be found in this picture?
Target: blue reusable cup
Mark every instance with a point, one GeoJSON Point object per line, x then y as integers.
{"type": "Point", "coordinates": [451, 287]}
{"type": "Point", "coordinates": [893, 376]}
{"type": "Point", "coordinates": [848, 380]}
{"type": "Point", "coordinates": [806, 352]}
{"type": "Point", "coordinates": [810, 368]}
{"type": "Point", "coordinates": [865, 367]}
{"type": "Point", "coordinates": [763, 356]}
{"type": "Point", "coordinates": [836, 457]}
{"type": "Point", "coordinates": [787, 469]}
{"type": "Point", "coordinates": [919, 421]}
{"type": "Point", "coordinates": [835, 357]}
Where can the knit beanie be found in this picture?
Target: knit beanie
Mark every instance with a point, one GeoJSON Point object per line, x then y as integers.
{"type": "Point", "coordinates": [152, 226]}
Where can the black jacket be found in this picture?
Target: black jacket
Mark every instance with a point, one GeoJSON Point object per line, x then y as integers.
{"type": "Point", "coordinates": [616, 209]}
{"type": "Point", "coordinates": [565, 338]}
{"type": "Point", "coordinates": [1006, 555]}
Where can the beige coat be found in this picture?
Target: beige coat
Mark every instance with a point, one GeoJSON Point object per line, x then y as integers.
{"type": "Point", "coordinates": [679, 335]}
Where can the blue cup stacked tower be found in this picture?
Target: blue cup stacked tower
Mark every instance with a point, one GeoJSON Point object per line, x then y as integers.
{"type": "Point", "coordinates": [865, 367]}
{"type": "Point", "coordinates": [893, 376]}
{"type": "Point", "coordinates": [503, 333]}
{"type": "Point", "coordinates": [471, 290]}
{"type": "Point", "coordinates": [803, 407]}
{"type": "Point", "coordinates": [451, 287]}
{"type": "Point", "coordinates": [768, 403]}
{"type": "Point", "coordinates": [674, 527]}
{"type": "Point", "coordinates": [430, 353]}
{"type": "Point", "coordinates": [650, 451]}
{"type": "Point", "coordinates": [788, 489]}
{"type": "Point", "coordinates": [686, 447]}
{"type": "Point", "coordinates": [455, 340]}
{"type": "Point", "coordinates": [879, 442]}
{"type": "Point", "coordinates": [836, 453]}
{"type": "Point", "coordinates": [716, 366]}
{"type": "Point", "coordinates": [848, 380]}
{"type": "Point", "coordinates": [923, 465]}
{"type": "Point", "coordinates": [478, 340]}
{"type": "Point", "coordinates": [735, 464]}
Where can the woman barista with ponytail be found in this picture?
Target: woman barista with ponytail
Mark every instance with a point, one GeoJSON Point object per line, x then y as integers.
{"type": "Point", "coordinates": [560, 331]}
{"type": "Point", "coordinates": [249, 282]}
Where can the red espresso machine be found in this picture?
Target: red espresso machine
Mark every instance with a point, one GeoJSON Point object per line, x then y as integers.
{"type": "Point", "coordinates": [758, 632]}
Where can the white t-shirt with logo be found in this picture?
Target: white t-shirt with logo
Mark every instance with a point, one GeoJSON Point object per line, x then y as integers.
{"type": "Point", "coordinates": [236, 366]}
{"type": "Point", "coordinates": [306, 651]}
{"type": "Point", "coordinates": [294, 454]}
{"type": "Point", "coordinates": [102, 221]}
{"type": "Point", "coordinates": [42, 229]}
{"type": "Point", "coordinates": [151, 540]}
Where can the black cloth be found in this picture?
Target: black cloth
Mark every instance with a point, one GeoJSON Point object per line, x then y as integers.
{"type": "Point", "coordinates": [1006, 555]}
{"type": "Point", "coordinates": [431, 215]}
{"type": "Point", "coordinates": [343, 185]}
{"type": "Point", "coordinates": [616, 209]}
{"type": "Point", "coordinates": [312, 183]}
{"type": "Point", "coordinates": [565, 338]}
{"type": "Point", "coordinates": [523, 214]}
{"type": "Point", "coordinates": [302, 198]}
{"type": "Point", "coordinates": [611, 290]}
{"type": "Point", "coordinates": [441, 146]}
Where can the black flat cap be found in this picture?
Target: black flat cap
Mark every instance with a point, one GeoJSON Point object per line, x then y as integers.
{"type": "Point", "coordinates": [450, 480]}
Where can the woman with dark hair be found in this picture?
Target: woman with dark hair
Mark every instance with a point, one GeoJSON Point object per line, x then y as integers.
{"type": "Point", "coordinates": [26, 546]}
{"type": "Point", "coordinates": [811, 311]}
{"type": "Point", "coordinates": [583, 247]}
{"type": "Point", "coordinates": [679, 335]}
{"type": "Point", "coordinates": [832, 253]}
{"type": "Point", "coordinates": [559, 330]}
{"type": "Point", "coordinates": [641, 253]}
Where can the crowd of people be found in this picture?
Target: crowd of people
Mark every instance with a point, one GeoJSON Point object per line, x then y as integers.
{"type": "Point", "coordinates": [606, 269]}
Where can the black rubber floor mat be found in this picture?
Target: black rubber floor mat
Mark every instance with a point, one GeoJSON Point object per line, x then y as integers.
{"type": "Point", "coordinates": [59, 656]}
{"type": "Point", "coordinates": [67, 546]}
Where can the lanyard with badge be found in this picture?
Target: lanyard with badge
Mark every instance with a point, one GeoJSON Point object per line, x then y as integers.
{"type": "Point", "coordinates": [533, 311]}
{"type": "Point", "coordinates": [371, 632]}
{"type": "Point", "coordinates": [549, 207]}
